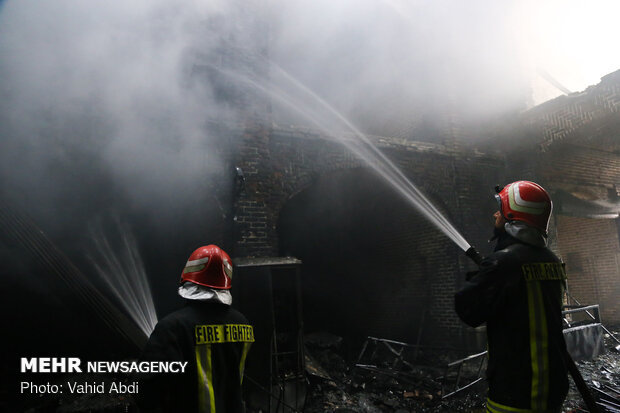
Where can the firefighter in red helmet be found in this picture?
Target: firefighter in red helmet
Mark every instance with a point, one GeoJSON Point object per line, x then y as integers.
{"type": "Point", "coordinates": [207, 333]}
{"type": "Point", "coordinates": [518, 294]}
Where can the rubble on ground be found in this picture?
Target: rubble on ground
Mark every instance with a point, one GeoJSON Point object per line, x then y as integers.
{"type": "Point", "coordinates": [336, 385]}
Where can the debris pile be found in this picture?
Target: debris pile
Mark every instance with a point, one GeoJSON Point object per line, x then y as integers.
{"type": "Point", "coordinates": [602, 376]}
{"type": "Point", "coordinates": [382, 380]}
{"type": "Point", "coordinates": [391, 383]}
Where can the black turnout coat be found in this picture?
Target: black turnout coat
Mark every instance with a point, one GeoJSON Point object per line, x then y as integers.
{"type": "Point", "coordinates": [518, 293]}
{"type": "Point", "coordinates": [214, 339]}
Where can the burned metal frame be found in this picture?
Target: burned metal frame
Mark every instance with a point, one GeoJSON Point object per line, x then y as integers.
{"type": "Point", "coordinates": [458, 364]}
{"type": "Point", "coordinates": [391, 347]}
{"type": "Point", "coordinates": [286, 364]}
{"type": "Point", "coordinates": [571, 309]}
{"type": "Point", "coordinates": [609, 402]}
{"type": "Point", "coordinates": [574, 309]}
{"type": "Point", "coordinates": [590, 326]}
{"type": "Point", "coordinates": [397, 348]}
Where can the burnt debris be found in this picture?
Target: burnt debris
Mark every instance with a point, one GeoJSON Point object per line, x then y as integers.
{"type": "Point", "coordinates": [381, 377]}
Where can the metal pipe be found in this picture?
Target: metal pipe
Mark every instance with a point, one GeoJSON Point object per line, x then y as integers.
{"type": "Point", "coordinates": [473, 356]}
{"type": "Point", "coordinates": [586, 308]}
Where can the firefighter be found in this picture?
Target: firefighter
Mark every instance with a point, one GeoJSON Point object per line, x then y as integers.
{"type": "Point", "coordinates": [209, 334]}
{"type": "Point", "coordinates": [518, 292]}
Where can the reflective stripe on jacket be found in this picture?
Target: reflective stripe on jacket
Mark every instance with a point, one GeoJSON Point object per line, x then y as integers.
{"type": "Point", "coordinates": [518, 293]}
{"type": "Point", "coordinates": [214, 339]}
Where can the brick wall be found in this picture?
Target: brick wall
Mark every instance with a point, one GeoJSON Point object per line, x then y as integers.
{"type": "Point", "coordinates": [370, 260]}
{"type": "Point", "coordinates": [591, 250]}
{"type": "Point", "coordinates": [559, 118]}
{"type": "Point", "coordinates": [254, 229]}
{"type": "Point", "coordinates": [563, 145]}
{"type": "Point", "coordinates": [277, 165]}
{"type": "Point", "coordinates": [569, 165]}
{"type": "Point", "coordinates": [578, 154]}
{"type": "Point", "coordinates": [423, 268]}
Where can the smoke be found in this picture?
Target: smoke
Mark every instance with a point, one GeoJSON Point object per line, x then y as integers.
{"type": "Point", "coordinates": [393, 66]}
{"type": "Point", "coordinates": [111, 102]}
{"type": "Point", "coordinates": [99, 102]}
{"type": "Point", "coordinates": [404, 68]}
{"type": "Point", "coordinates": [118, 105]}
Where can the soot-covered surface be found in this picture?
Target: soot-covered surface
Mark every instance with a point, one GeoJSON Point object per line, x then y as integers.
{"type": "Point", "coordinates": [372, 265]}
{"type": "Point", "coordinates": [351, 389]}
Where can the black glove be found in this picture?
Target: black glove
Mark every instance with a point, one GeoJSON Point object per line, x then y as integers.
{"type": "Point", "coordinates": [471, 274]}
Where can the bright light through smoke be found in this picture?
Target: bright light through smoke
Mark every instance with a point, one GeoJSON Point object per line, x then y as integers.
{"type": "Point", "coordinates": [574, 41]}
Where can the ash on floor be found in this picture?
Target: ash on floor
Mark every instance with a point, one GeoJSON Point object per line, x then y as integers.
{"type": "Point", "coordinates": [338, 386]}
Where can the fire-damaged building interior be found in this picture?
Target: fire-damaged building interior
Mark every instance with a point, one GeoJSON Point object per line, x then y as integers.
{"type": "Point", "coordinates": [347, 277]}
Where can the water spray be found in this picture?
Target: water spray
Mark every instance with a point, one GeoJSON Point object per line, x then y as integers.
{"type": "Point", "coordinates": [388, 170]}
{"type": "Point", "coordinates": [121, 268]}
{"type": "Point", "coordinates": [20, 229]}
{"type": "Point", "coordinates": [361, 146]}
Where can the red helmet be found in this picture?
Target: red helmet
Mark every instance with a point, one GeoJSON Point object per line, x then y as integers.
{"type": "Point", "coordinates": [527, 202]}
{"type": "Point", "coordinates": [209, 266]}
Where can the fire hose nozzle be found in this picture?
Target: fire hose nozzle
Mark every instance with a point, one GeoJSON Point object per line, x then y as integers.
{"type": "Point", "coordinates": [474, 255]}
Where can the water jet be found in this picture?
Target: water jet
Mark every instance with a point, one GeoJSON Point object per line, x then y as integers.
{"type": "Point", "coordinates": [359, 143]}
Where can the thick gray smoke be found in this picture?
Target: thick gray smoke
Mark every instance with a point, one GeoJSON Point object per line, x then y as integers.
{"type": "Point", "coordinates": [395, 66]}
{"type": "Point", "coordinates": [99, 97]}
{"type": "Point", "coordinates": [407, 67]}
{"type": "Point", "coordinates": [128, 105]}
{"type": "Point", "coordinates": [101, 101]}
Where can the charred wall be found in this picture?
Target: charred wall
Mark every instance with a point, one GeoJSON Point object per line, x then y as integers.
{"type": "Point", "coordinates": [571, 146]}
{"type": "Point", "coordinates": [369, 259]}
{"type": "Point", "coordinates": [372, 263]}
{"type": "Point", "coordinates": [276, 165]}
{"type": "Point", "coordinates": [590, 249]}
{"type": "Point", "coordinates": [308, 196]}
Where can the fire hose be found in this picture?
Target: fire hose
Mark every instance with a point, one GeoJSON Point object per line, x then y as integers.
{"type": "Point", "coordinates": [474, 255]}
{"type": "Point", "coordinates": [580, 383]}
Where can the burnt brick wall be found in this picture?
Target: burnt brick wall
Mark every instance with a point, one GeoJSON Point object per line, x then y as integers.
{"type": "Point", "coordinates": [592, 173]}
{"type": "Point", "coordinates": [578, 153]}
{"type": "Point", "coordinates": [279, 163]}
{"type": "Point", "coordinates": [560, 144]}
{"type": "Point", "coordinates": [561, 117]}
{"type": "Point", "coordinates": [591, 250]}
{"type": "Point", "coordinates": [253, 221]}
{"type": "Point", "coordinates": [459, 182]}
{"type": "Point", "coordinates": [419, 268]}
{"type": "Point", "coordinates": [577, 165]}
